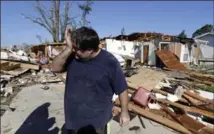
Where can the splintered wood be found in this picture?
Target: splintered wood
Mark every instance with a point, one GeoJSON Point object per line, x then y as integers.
{"type": "Point", "coordinates": [22, 64]}
{"type": "Point", "coordinates": [16, 68]}
{"type": "Point", "coordinates": [170, 60]}
{"type": "Point", "coordinates": [146, 113]}
{"type": "Point", "coordinates": [7, 66]}
{"type": "Point", "coordinates": [176, 116]}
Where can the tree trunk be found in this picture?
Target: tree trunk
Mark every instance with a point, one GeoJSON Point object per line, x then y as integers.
{"type": "Point", "coordinates": [84, 19]}
{"type": "Point", "coordinates": [57, 6]}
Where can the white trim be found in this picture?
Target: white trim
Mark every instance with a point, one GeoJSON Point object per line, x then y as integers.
{"type": "Point", "coordinates": [162, 42]}
{"type": "Point", "coordinates": [204, 41]}
{"type": "Point", "coordinates": [204, 35]}
{"type": "Point", "coordinates": [201, 41]}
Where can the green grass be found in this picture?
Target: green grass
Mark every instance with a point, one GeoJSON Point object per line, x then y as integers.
{"type": "Point", "coordinates": [206, 88]}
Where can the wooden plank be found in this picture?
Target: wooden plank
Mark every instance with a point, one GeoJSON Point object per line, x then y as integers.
{"type": "Point", "coordinates": [188, 109]}
{"type": "Point", "coordinates": [16, 72]}
{"type": "Point", "coordinates": [10, 67]}
{"type": "Point", "coordinates": [198, 97]}
{"type": "Point", "coordinates": [24, 64]}
{"type": "Point", "coordinates": [4, 63]}
{"type": "Point", "coordinates": [165, 93]}
{"type": "Point", "coordinates": [164, 121]}
{"type": "Point", "coordinates": [189, 123]}
{"type": "Point", "coordinates": [169, 59]}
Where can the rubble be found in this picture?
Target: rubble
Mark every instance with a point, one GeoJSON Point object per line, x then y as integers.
{"type": "Point", "coordinates": [179, 118]}
{"type": "Point", "coordinates": [171, 97]}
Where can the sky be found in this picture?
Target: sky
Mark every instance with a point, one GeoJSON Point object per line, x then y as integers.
{"type": "Point", "coordinates": [109, 17]}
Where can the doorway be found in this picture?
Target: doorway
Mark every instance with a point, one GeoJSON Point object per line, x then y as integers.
{"type": "Point", "coordinates": [145, 54]}
{"type": "Point", "coordinates": [164, 46]}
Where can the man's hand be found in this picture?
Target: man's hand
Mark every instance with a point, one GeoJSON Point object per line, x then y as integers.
{"type": "Point", "coordinates": [124, 118]}
{"type": "Point", "coordinates": [68, 38]}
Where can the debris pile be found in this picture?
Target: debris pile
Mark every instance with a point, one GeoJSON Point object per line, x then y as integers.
{"type": "Point", "coordinates": [169, 97]}
{"type": "Point", "coordinates": [20, 68]}
{"type": "Point", "coordinates": [172, 105]}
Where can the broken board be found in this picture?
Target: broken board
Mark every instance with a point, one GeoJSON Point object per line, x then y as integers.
{"type": "Point", "coordinates": [23, 64]}
{"type": "Point", "coordinates": [170, 60]}
{"type": "Point", "coordinates": [7, 66]}
{"type": "Point", "coordinates": [147, 114]}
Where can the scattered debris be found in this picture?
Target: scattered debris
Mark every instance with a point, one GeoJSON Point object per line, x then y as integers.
{"type": "Point", "coordinates": [169, 96]}
{"type": "Point", "coordinates": [45, 87]}
{"type": "Point", "coordinates": [6, 107]}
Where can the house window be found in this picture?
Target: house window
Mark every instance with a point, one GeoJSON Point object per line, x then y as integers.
{"type": "Point", "coordinates": [124, 47]}
{"type": "Point", "coordinates": [136, 47]}
{"type": "Point", "coordinates": [119, 48]}
{"type": "Point", "coordinates": [185, 57]}
{"type": "Point", "coordinates": [164, 46]}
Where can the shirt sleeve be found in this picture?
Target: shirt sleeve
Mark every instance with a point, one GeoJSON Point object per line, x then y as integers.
{"type": "Point", "coordinates": [118, 81]}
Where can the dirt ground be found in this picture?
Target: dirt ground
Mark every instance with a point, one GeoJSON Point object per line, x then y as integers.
{"type": "Point", "coordinates": [147, 77]}
{"type": "Point", "coordinates": [40, 111]}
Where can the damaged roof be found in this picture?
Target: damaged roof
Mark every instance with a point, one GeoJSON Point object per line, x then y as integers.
{"type": "Point", "coordinates": [137, 36]}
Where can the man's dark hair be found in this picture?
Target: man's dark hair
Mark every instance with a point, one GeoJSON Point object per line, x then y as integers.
{"type": "Point", "coordinates": [86, 38]}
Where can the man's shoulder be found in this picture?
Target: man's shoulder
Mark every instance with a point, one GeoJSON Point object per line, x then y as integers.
{"type": "Point", "coordinates": [109, 57]}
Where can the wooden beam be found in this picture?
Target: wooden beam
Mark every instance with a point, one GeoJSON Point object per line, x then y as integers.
{"type": "Point", "coordinates": [24, 64]}
{"type": "Point", "coordinates": [164, 121]}
{"type": "Point", "coordinates": [10, 67]}
{"type": "Point", "coordinates": [187, 108]}
{"type": "Point", "coordinates": [4, 63]}
{"type": "Point", "coordinates": [15, 72]}
{"type": "Point", "coordinates": [198, 97]}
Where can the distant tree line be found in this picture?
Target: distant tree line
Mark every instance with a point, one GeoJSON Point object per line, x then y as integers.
{"type": "Point", "coordinates": [202, 30]}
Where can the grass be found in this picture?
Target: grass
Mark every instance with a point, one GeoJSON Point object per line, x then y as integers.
{"type": "Point", "coordinates": [206, 88]}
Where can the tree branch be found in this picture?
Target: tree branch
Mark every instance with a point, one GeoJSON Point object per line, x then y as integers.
{"type": "Point", "coordinates": [38, 21]}
{"type": "Point", "coordinates": [43, 14]}
{"type": "Point", "coordinates": [57, 18]}
{"type": "Point", "coordinates": [63, 24]}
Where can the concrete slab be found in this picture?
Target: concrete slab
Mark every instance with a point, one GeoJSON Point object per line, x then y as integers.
{"type": "Point", "coordinates": [41, 111]}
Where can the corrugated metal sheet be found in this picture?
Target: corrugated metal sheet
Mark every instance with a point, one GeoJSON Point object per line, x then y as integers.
{"type": "Point", "coordinates": [170, 60]}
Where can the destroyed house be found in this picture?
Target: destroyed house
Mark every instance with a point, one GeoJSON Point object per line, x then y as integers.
{"type": "Point", "coordinates": [148, 43]}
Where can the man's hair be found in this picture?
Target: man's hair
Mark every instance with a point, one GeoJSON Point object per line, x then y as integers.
{"type": "Point", "coordinates": [86, 38]}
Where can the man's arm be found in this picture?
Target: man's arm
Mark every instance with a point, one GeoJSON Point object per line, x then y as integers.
{"type": "Point", "coordinates": [124, 117]}
{"type": "Point", "coordinates": [58, 64]}
{"type": "Point", "coordinates": [124, 101]}
{"type": "Point", "coordinates": [120, 87]}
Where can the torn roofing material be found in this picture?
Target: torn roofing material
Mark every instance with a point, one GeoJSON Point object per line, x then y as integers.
{"type": "Point", "coordinates": [170, 60]}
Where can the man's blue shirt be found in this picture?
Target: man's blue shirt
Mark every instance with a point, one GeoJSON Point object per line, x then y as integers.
{"type": "Point", "coordinates": [90, 86]}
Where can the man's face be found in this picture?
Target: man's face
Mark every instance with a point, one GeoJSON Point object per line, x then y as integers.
{"type": "Point", "coordinates": [82, 54]}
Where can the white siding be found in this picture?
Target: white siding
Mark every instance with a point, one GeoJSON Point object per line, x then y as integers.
{"type": "Point", "coordinates": [185, 57]}
{"type": "Point", "coordinates": [207, 50]}
{"type": "Point", "coordinates": [125, 48]}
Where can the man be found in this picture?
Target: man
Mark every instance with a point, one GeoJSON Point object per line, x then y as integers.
{"type": "Point", "coordinates": [93, 76]}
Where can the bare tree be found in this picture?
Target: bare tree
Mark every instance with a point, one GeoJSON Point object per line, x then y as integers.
{"type": "Point", "coordinates": [123, 31]}
{"type": "Point", "coordinates": [52, 19]}
{"type": "Point", "coordinates": [86, 8]}
{"type": "Point", "coordinates": [39, 38]}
